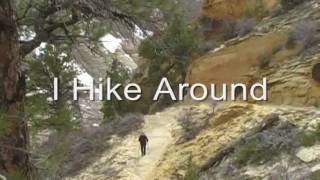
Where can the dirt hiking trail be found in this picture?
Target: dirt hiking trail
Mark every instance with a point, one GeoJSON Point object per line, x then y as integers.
{"type": "Point", "coordinates": [124, 161]}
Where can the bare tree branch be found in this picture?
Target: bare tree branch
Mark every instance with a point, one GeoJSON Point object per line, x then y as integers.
{"type": "Point", "coordinates": [44, 35]}
{"type": "Point", "coordinates": [84, 11]}
{"type": "Point", "coordinates": [29, 6]}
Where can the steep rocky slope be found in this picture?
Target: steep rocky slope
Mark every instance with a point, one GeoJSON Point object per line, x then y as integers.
{"type": "Point", "coordinates": [198, 131]}
{"type": "Point", "coordinates": [292, 83]}
{"type": "Point", "coordinates": [288, 69]}
{"type": "Point", "coordinates": [276, 151]}
{"type": "Point", "coordinates": [228, 123]}
{"type": "Point", "coordinates": [293, 96]}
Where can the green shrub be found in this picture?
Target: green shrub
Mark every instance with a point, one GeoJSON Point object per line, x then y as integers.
{"type": "Point", "coordinates": [255, 9]}
{"type": "Point", "coordinates": [264, 60]}
{"type": "Point", "coordinates": [113, 108]}
{"type": "Point", "coordinates": [192, 171]}
{"type": "Point", "coordinates": [315, 175]}
{"type": "Point", "coordinates": [50, 164]}
{"type": "Point", "coordinates": [308, 139]}
{"type": "Point", "coordinates": [176, 43]}
{"type": "Point", "coordinates": [303, 32]}
{"type": "Point", "coordinates": [16, 176]}
{"type": "Point", "coordinates": [167, 54]}
{"type": "Point", "coordinates": [173, 48]}
{"type": "Point", "coordinates": [311, 138]}
{"type": "Point", "coordinates": [289, 4]}
{"type": "Point", "coordinates": [4, 125]}
{"type": "Point", "coordinates": [253, 152]}
{"type": "Point", "coordinates": [239, 28]}
{"type": "Point", "coordinates": [52, 61]}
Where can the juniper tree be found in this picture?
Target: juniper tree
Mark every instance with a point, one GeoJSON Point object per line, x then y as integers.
{"type": "Point", "coordinates": [112, 108]}
{"type": "Point", "coordinates": [42, 111]}
{"type": "Point", "coordinates": [24, 25]}
{"type": "Point", "coordinates": [167, 55]}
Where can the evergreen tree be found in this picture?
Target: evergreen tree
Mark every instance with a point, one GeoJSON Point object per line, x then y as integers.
{"type": "Point", "coordinates": [168, 54]}
{"type": "Point", "coordinates": [113, 108]}
{"type": "Point", "coordinates": [24, 25]}
{"type": "Point", "coordinates": [53, 61]}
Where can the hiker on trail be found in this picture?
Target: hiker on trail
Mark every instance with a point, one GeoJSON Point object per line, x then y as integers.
{"type": "Point", "coordinates": [143, 139]}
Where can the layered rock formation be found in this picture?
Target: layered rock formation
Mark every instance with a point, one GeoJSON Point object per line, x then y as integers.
{"type": "Point", "coordinates": [276, 151]}
{"type": "Point", "coordinates": [263, 53]}
{"type": "Point", "coordinates": [292, 83]}
{"type": "Point", "coordinates": [230, 122]}
{"type": "Point", "coordinates": [236, 9]}
{"type": "Point", "coordinates": [97, 62]}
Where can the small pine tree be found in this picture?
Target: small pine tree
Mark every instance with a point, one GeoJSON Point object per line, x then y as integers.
{"type": "Point", "coordinates": [175, 46]}
{"type": "Point", "coordinates": [43, 112]}
{"type": "Point", "coordinates": [118, 73]}
{"type": "Point", "coordinates": [168, 55]}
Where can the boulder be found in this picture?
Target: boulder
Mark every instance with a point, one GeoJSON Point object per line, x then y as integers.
{"type": "Point", "coordinates": [309, 154]}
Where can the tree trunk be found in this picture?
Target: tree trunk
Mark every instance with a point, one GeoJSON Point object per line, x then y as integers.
{"type": "Point", "coordinates": [14, 158]}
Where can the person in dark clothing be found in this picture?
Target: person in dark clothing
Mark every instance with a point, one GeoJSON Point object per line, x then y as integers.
{"type": "Point", "coordinates": [143, 139]}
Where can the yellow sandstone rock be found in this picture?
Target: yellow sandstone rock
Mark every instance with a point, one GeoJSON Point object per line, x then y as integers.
{"type": "Point", "coordinates": [236, 9]}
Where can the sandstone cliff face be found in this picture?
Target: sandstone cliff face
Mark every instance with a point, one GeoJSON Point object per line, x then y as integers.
{"type": "Point", "coordinates": [289, 82]}
{"type": "Point", "coordinates": [233, 63]}
{"type": "Point", "coordinates": [292, 84]}
{"type": "Point", "coordinates": [288, 70]}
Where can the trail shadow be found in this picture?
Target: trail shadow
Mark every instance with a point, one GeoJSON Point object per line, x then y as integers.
{"type": "Point", "coordinates": [87, 148]}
